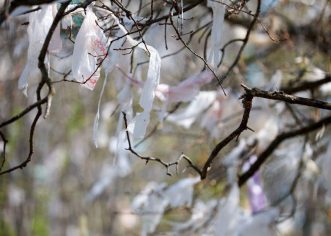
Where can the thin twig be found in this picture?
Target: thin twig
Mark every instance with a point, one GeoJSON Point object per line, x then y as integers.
{"type": "Point", "coordinates": [156, 159]}
{"type": "Point", "coordinates": [245, 41]}
{"type": "Point", "coordinates": [307, 85]}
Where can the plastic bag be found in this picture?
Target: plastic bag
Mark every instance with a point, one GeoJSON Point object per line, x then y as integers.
{"type": "Point", "coordinates": [150, 85]}
{"type": "Point", "coordinates": [39, 24]}
{"type": "Point", "coordinates": [90, 47]}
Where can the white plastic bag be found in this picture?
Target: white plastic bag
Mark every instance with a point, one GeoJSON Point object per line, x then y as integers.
{"type": "Point", "coordinates": [90, 46]}
{"type": "Point", "coordinates": [150, 85]}
{"type": "Point", "coordinates": [39, 24]}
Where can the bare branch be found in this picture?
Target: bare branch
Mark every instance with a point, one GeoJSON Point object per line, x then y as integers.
{"type": "Point", "coordinates": [281, 96]}
{"type": "Point", "coordinates": [247, 104]}
{"type": "Point", "coordinates": [44, 80]}
{"type": "Point", "coordinates": [307, 85]}
{"type": "Point", "coordinates": [156, 159]}
{"type": "Point", "coordinates": [276, 142]}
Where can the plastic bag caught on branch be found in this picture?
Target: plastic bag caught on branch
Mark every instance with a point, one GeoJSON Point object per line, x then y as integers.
{"type": "Point", "coordinates": [148, 93]}
{"type": "Point", "coordinates": [108, 66]}
{"type": "Point", "coordinates": [90, 48]}
{"type": "Point", "coordinates": [39, 25]}
{"type": "Point", "coordinates": [150, 85]}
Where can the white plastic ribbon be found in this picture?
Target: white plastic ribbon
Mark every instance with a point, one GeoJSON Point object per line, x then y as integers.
{"type": "Point", "coordinates": [108, 66]}
{"type": "Point", "coordinates": [150, 85]}
{"type": "Point", "coordinates": [97, 115]}
{"type": "Point", "coordinates": [39, 24]}
{"type": "Point", "coordinates": [216, 32]}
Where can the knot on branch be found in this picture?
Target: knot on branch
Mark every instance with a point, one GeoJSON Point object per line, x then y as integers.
{"type": "Point", "coordinates": [247, 101]}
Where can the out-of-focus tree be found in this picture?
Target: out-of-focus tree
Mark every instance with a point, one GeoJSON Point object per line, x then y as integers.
{"type": "Point", "coordinates": [165, 117]}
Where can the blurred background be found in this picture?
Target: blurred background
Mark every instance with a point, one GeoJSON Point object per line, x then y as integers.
{"type": "Point", "coordinates": [70, 187]}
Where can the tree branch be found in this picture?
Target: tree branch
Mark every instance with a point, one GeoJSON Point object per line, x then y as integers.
{"type": "Point", "coordinates": [247, 104]}
{"type": "Point", "coordinates": [44, 80]}
{"type": "Point", "coordinates": [156, 159]}
{"type": "Point", "coordinates": [281, 96]}
{"type": "Point", "coordinates": [307, 85]}
{"type": "Point", "coordinates": [275, 143]}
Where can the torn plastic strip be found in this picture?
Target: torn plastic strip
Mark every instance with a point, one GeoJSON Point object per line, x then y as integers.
{"type": "Point", "coordinates": [217, 32]}
{"type": "Point", "coordinates": [150, 85]}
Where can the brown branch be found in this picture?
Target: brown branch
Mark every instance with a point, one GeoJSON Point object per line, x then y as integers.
{"type": "Point", "coordinates": [281, 96]}
{"type": "Point", "coordinates": [82, 5]}
{"type": "Point", "coordinates": [156, 159]}
{"type": "Point", "coordinates": [31, 145]}
{"type": "Point", "coordinates": [182, 48]}
{"type": "Point", "coordinates": [247, 104]}
{"type": "Point", "coordinates": [307, 85]}
{"type": "Point", "coordinates": [23, 113]}
{"type": "Point", "coordinates": [276, 142]}
{"type": "Point", "coordinates": [310, 31]}
{"type": "Point", "coordinates": [44, 80]}
{"type": "Point", "coordinates": [43, 51]}
{"type": "Point", "coordinates": [185, 9]}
